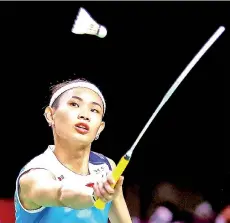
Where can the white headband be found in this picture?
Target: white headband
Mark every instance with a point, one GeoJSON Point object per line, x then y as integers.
{"type": "Point", "coordinates": [76, 85]}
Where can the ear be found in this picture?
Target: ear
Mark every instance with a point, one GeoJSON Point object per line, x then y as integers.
{"type": "Point", "coordinates": [101, 128]}
{"type": "Point", "coordinates": [49, 115]}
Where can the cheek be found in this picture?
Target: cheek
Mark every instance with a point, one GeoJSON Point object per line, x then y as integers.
{"type": "Point", "coordinates": [63, 123]}
{"type": "Point", "coordinates": [96, 126]}
{"type": "Point", "coordinates": [64, 118]}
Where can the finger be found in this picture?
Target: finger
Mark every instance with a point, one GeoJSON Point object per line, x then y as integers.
{"type": "Point", "coordinates": [110, 178]}
{"type": "Point", "coordinates": [108, 188]}
{"type": "Point", "coordinates": [97, 191]}
{"type": "Point", "coordinates": [102, 191]}
{"type": "Point", "coordinates": [106, 195]}
{"type": "Point", "coordinates": [119, 183]}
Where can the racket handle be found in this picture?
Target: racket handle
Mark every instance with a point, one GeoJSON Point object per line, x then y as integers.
{"type": "Point", "coordinates": [117, 172]}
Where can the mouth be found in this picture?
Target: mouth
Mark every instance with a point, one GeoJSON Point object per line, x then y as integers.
{"type": "Point", "coordinates": [82, 128]}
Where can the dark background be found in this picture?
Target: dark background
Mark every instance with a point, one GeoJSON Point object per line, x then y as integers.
{"type": "Point", "coordinates": [147, 47]}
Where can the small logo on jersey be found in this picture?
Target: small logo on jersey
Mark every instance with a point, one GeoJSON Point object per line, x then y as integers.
{"type": "Point", "coordinates": [61, 178]}
{"type": "Point", "coordinates": [89, 185]}
{"type": "Point", "coordinates": [99, 169]}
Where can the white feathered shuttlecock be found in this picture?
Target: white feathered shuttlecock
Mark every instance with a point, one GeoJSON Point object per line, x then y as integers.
{"type": "Point", "coordinates": [85, 24]}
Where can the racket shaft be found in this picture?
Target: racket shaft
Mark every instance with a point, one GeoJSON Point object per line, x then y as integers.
{"type": "Point", "coordinates": [117, 172]}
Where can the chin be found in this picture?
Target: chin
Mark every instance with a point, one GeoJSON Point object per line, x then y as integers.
{"type": "Point", "coordinates": [82, 139]}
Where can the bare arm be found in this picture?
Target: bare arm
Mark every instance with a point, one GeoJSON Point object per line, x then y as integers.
{"type": "Point", "coordinates": [119, 212]}
{"type": "Point", "coordinates": [39, 188]}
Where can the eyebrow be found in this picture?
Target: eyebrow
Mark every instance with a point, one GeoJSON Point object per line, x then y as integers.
{"type": "Point", "coordinates": [95, 103]}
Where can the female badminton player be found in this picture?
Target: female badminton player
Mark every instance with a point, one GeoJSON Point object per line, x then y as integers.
{"type": "Point", "coordinates": [62, 184]}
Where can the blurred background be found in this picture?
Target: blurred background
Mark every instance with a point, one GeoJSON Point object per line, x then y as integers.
{"type": "Point", "coordinates": [179, 170]}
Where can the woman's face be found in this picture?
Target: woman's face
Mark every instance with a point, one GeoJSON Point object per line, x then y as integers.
{"type": "Point", "coordinates": [79, 115]}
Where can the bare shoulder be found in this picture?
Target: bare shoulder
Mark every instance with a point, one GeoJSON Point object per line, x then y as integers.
{"type": "Point", "coordinates": [112, 163]}
{"type": "Point", "coordinates": [31, 177]}
{"type": "Point", "coordinates": [35, 174]}
{"type": "Point", "coordinates": [35, 170]}
{"type": "Point", "coordinates": [27, 184]}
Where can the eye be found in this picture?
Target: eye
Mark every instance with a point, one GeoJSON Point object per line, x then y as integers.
{"type": "Point", "coordinates": [74, 104]}
{"type": "Point", "coordinates": [94, 110]}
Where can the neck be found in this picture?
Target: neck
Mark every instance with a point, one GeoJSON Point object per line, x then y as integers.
{"type": "Point", "coordinates": [74, 157]}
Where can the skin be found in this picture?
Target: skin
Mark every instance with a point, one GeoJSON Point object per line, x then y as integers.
{"type": "Point", "coordinates": [38, 187]}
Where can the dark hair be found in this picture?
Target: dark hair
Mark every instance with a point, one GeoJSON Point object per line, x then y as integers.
{"type": "Point", "coordinates": [58, 86]}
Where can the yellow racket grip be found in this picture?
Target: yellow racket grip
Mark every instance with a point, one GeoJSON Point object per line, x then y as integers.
{"type": "Point", "coordinates": [117, 172]}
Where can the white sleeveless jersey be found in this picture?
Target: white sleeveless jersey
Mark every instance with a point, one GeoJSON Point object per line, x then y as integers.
{"type": "Point", "coordinates": [99, 166]}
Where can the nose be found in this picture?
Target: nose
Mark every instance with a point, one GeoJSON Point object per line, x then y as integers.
{"type": "Point", "coordinates": [83, 115]}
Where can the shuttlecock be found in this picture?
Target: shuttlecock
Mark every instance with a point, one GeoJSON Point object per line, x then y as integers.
{"type": "Point", "coordinates": [85, 24]}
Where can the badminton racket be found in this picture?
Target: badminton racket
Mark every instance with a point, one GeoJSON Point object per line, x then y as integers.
{"type": "Point", "coordinates": [117, 172]}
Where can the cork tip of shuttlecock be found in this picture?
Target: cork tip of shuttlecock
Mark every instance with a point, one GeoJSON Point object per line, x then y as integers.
{"type": "Point", "coordinates": [102, 32]}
